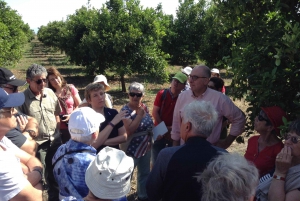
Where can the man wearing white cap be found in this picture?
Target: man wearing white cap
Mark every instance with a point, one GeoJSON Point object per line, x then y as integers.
{"type": "Point", "coordinates": [108, 176]}
{"type": "Point", "coordinates": [187, 71]}
{"type": "Point", "coordinates": [72, 159]}
{"type": "Point", "coordinates": [108, 99]}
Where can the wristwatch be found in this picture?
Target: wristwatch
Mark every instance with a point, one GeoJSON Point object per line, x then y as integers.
{"type": "Point", "coordinates": [32, 133]}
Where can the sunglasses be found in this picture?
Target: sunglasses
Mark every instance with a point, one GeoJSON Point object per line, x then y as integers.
{"type": "Point", "coordinates": [261, 118]}
{"type": "Point", "coordinates": [195, 77]}
{"type": "Point", "coordinates": [294, 139]}
{"type": "Point", "coordinates": [135, 94]}
{"type": "Point", "coordinates": [40, 81]}
{"type": "Point", "coordinates": [14, 88]}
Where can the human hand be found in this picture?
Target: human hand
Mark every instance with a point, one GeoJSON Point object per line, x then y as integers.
{"type": "Point", "coordinates": [120, 116]}
{"type": "Point", "coordinates": [283, 161]}
{"type": "Point", "coordinates": [140, 111]}
{"type": "Point", "coordinates": [65, 118]}
{"type": "Point", "coordinates": [22, 121]}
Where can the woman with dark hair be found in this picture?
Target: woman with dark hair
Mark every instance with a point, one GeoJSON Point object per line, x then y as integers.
{"type": "Point", "coordinates": [285, 182]}
{"type": "Point", "coordinates": [263, 148]}
{"type": "Point", "coordinates": [216, 83]}
{"type": "Point", "coordinates": [68, 97]}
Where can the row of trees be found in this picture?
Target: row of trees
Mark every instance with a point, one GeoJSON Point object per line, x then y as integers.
{"type": "Point", "coordinates": [14, 33]}
{"type": "Point", "coordinates": [257, 41]}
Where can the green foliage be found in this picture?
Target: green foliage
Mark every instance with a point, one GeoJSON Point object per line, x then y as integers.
{"type": "Point", "coordinates": [264, 52]}
{"type": "Point", "coordinates": [184, 39]}
{"type": "Point", "coordinates": [120, 37]}
{"type": "Point", "coordinates": [13, 35]}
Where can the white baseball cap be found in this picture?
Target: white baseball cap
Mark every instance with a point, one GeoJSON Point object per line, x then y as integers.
{"type": "Point", "coordinates": [187, 70]}
{"type": "Point", "coordinates": [215, 70]}
{"type": "Point", "coordinates": [108, 176]}
{"type": "Point", "coordinates": [102, 78]}
{"type": "Point", "coordinates": [84, 121]}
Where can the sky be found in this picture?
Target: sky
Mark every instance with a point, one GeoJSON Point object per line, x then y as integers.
{"type": "Point", "coordinates": [39, 12]}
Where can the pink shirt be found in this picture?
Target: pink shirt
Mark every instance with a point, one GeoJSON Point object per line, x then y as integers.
{"type": "Point", "coordinates": [224, 106]}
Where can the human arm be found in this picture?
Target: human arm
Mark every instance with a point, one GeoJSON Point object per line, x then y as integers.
{"type": "Point", "coordinates": [277, 187]}
{"type": "Point", "coordinates": [175, 132]}
{"type": "Point", "coordinates": [29, 193]}
{"type": "Point", "coordinates": [131, 125]}
{"type": "Point", "coordinates": [122, 137]}
{"type": "Point", "coordinates": [226, 142]}
{"type": "Point", "coordinates": [155, 114]}
{"type": "Point", "coordinates": [103, 135]}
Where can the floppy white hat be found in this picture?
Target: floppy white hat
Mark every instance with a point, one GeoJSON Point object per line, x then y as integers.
{"type": "Point", "coordinates": [84, 121]}
{"type": "Point", "coordinates": [108, 176]}
{"type": "Point", "coordinates": [187, 70]}
{"type": "Point", "coordinates": [102, 78]}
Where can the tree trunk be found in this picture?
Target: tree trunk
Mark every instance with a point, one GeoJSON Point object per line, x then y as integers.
{"type": "Point", "coordinates": [123, 83]}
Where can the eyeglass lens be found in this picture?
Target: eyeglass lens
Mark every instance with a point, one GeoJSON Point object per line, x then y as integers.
{"type": "Point", "coordinates": [135, 94]}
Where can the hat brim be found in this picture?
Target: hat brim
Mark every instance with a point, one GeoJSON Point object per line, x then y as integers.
{"type": "Point", "coordinates": [14, 100]}
{"type": "Point", "coordinates": [105, 192]}
{"type": "Point", "coordinates": [17, 82]}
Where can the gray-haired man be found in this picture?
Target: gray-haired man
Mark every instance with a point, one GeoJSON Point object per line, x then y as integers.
{"type": "Point", "coordinates": [172, 177]}
{"type": "Point", "coordinates": [42, 104]}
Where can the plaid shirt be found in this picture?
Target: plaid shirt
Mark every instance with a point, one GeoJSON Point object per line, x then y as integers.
{"type": "Point", "coordinates": [69, 172]}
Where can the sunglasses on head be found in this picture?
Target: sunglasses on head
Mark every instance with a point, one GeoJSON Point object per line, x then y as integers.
{"type": "Point", "coordinates": [40, 81]}
{"type": "Point", "coordinates": [135, 94]}
{"type": "Point", "coordinates": [294, 139]}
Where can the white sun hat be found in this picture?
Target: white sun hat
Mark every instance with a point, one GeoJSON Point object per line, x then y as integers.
{"type": "Point", "coordinates": [108, 176]}
{"type": "Point", "coordinates": [84, 121]}
{"type": "Point", "coordinates": [102, 78]}
{"type": "Point", "coordinates": [215, 70]}
{"type": "Point", "coordinates": [187, 70]}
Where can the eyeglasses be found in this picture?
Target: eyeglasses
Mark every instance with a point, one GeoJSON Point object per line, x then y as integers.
{"type": "Point", "coordinates": [195, 77]}
{"type": "Point", "coordinates": [40, 81]}
{"type": "Point", "coordinates": [261, 118]}
{"type": "Point", "coordinates": [135, 94]}
{"type": "Point", "coordinates": [13, 88]}
{"type": "Point", "coordinates": [294, 139]}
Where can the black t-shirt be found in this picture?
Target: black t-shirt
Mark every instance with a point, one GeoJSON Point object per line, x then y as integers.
{"type": "Point", "coordinates": [109, 114]}
{"type": "Point", "coordinates": [16, 136]}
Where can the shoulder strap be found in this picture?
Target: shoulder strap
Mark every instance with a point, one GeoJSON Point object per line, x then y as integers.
{"type": "Point", "coordinates": [71, 152]}
{"type": "Point", "coordinates": [163, 98]}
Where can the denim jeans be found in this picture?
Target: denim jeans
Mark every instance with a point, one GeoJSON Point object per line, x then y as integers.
{"type": "Point", "coordinates": [157, 146]}
{"type": "Point", "coordinates": [143, 170]}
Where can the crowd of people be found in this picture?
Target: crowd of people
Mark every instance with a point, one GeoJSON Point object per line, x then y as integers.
{"type": "Point", "coordinates": [87, 150]}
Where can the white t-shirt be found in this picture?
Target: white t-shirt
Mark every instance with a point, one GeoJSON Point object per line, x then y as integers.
{"type": "Point", "coordinates": [12, 180]}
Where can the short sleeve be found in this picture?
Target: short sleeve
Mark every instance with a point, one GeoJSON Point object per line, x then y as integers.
{"type": "Point", "coordinates": [16, 137]}
{"type": "Point", "coordinates": [11, 176]}
{"type": "Point", "coordinates": [158, 97]}
{"type": "Point", "coordinates": [74, 91]}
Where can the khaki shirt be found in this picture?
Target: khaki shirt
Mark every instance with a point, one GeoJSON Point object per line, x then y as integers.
{"type": "Point", "coordinates": [44, 111]}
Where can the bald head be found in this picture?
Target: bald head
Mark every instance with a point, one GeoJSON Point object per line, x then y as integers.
{"type": "Point", "coordinates": [204, 70]}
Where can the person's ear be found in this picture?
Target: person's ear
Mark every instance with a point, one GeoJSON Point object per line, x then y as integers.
{"type": "Point", "coordinates": [28, 80]}
{"type": "Point", "coordinates": [188, 126]}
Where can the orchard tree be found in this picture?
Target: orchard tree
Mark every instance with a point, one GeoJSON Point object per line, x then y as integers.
{"type": "Point", "coordinates": [265, 52]}
{"type": "Point", "coordinates": [184, 38]}
{"type": "Point", "coordinates": [121, 37]}
{"type": "Point", "coordinates": [13, 35]}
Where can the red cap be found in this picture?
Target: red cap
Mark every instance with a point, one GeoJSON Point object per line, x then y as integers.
{"type": "Point", "coordinates": [275, 115]}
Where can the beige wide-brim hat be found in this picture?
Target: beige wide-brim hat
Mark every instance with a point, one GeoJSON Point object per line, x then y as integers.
{"type": "Point", "coordinates": [102, 78]}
